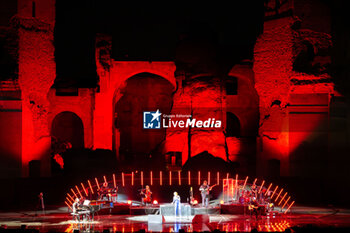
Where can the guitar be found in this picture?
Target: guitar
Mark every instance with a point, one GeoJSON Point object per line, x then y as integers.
{"type": "Point", "coordinates": [210, 188]}
{"type": "Point", "coordinates": [252, 207]}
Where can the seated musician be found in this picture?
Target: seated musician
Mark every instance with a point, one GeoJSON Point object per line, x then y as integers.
{"type": "Point", "coordinates": [147, 195]}
{"type": "Point", "coordinates": [254, 207]}
{"type": "Point", "coordinates": [76, 206]}
{"type": "Point", "coordinates": [114, 194]}
{"type": "Point", "coordinates": [103, 191]}
{"type": "Point", "coordinates": [242, 198]}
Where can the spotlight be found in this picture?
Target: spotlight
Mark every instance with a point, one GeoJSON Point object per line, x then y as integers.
{"type": "Point", "coordinates": [129, 202]}
{"type": "Point", "coordinates": [222, 202]}
{"type": "Point", "coordinates": [155, 202]}
{"type": "Point", "coordinates": [195, 202]}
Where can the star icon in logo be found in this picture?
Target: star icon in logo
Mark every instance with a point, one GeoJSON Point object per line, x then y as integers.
{"type": "Point", "coordinates": [155, 115]}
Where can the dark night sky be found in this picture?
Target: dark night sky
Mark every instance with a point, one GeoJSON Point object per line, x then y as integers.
{"type": "Point", "coordinates": [216, 34]}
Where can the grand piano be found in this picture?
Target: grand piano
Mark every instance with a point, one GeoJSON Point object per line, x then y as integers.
{"type": "Point", "coordinates": [86, 212]}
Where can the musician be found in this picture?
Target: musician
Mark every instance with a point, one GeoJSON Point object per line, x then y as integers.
{"type": "Point", "coordinates": [40, 205]}
{"type": "Point", "coordinates": [205, 189]}
{"type": "Point", "coordinates": [254, 207]}
{"type": "Point", "coordinates": [191, 200]}
{"type": "Point", "coordinates": [177, 203]}
{"type": "Point", "coordinates": [103, 191]}
{"type": "Point", "coordinates": [76, 205]}
{"type": "Point", "coordinates": [269, 204]}
{"type": "Point", "coordinates": [147, 195]}
{"type": "Point", "coordinates": [242, 198]}
{"type": "Point", "coordinates": [254, 191]}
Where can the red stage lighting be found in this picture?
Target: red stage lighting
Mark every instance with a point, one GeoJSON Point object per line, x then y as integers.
{"type": "Point", "coordinates": [169, 177]}
{"type": "Point", "coordinates": [79, 191]}
{"type": "Point", "coordinates": [114, 181]}
{"type": "Point", "coordinates": [141, 178]}
{"type": "Point", "coordinates": [262, 184]}
{"type": "Point", "coordinates": [255, 181]}
{"type": "Point", "coordinates": [199, 178]}
{"type": "Point", "coordinates": [285, 203]}
{"type": "Point", "coordinates": [92, 191]}
{"type": "Point", "coordinates": [155, 202]}
{"type": "Point", "coordinates": [69, 201]}
{"type": "Point", "coordinates": [82, 185]}
{"type": "Point", "coordinates": [129, 202]}
{"type": "Point", "coordinates": [245, 182]}
{"type": "Point", "coordinates": [132, 178]}
{"type": "Point", "coordinates": [289, 207]}
{"type": "Point", "coordinates": [160, 178]}
{"type": "Point", "coordinates": [279, 203]}
{"type": "Point", "coordinates": [74, 193]}
{"type": "Point", "coordinates": [279, 194]}
{"type": "Point", "coordinates": [68, 205]}
{"type": "Point", "coordinates": [274, 192]}
{"type": "Point", "coordinates": [268, 189]}
{"type": "Point", "coordinates": [70, 197]}
{"type": "Point", "coordinates": [98, 185]}
{"type": "Point", "coordinates": [195, 202]}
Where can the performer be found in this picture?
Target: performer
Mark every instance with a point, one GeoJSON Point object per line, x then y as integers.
{"type": "Point", "coordinates": [147, 195]}
{"type": "Point", "coordinates": [191, 196]}
{"type": "Point", "coordinates": [40, 205]}
{"type": "Point", "coordinates": [242, 198]}
{"type": "Point", "coordinates": [254, 191]}
{"type": "Point", "coordinates": [103, 191]}
{"type": "Point", "coordinates": [114, 194]}
{"type": "Point", "coordinates": [76, 205]}
{"type": "Point", "coordinates": [177, 203]}
{"type": "Point", "coordinates": [269, 204]}
{"type": "Point", "coordinates": [254, 207]}
{"type": "Point", "coordinates": [205, 189]}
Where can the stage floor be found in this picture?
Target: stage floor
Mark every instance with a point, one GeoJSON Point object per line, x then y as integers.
{"type": "Point", "coordinates": [58, 220]}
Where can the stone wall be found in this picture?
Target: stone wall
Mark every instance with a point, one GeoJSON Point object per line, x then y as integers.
{"type": "Point", "coordinates": [36, 74]}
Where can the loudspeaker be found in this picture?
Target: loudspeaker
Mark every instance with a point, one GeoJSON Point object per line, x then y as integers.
{"type": "Point", "coordinates": [153, 218]}
{"type": "Point", "coordinates": [200, 219]}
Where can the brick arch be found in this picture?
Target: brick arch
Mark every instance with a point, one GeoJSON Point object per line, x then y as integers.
{"type": "Point", "coordinates": [117, 92]}
{"type": "Point", "coordinates": [68, 127]}
{"type": "Point", "coordinates": [144, 92]}
{"type": "Point", "coordinates": [233, 125]}
{"type": "Point", "coordinates": [111, 82]}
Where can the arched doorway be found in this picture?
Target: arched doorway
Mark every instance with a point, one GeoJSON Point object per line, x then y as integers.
{"type": "Point", "coordinates": [142, 92]}
{"type": "Point", "coordinates": [67, 127]}
{"type": "Point", "coordinates": [233, 126]}
{"type": "Point", "coordinates": [67, 132]}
